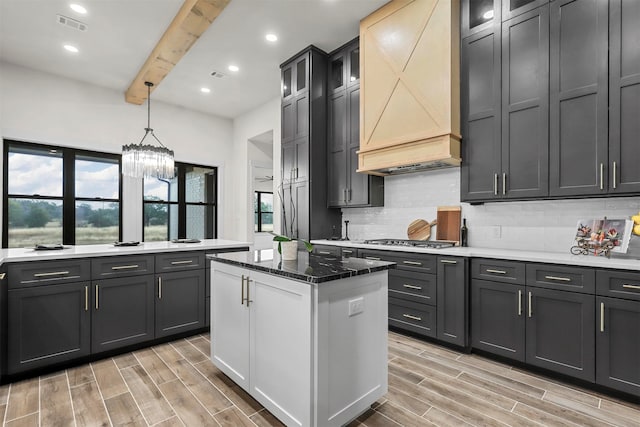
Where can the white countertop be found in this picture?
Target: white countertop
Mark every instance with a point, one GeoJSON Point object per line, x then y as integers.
{"type": "Point", "coordinates": [507, 254]}
{"type": "Point", "coordinates": [85, 251]}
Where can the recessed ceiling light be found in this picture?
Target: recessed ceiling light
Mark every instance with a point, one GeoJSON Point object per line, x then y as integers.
{"type": "Point", "coordinates": [71, 48]}
{"type": "Point", "coordinates": [488, 14]}
{"type": "Point", "coordinates": [78, 8]}
{"type": "Point", "coordinates": [271, 38]}
{"type": "Point", "coordinates": [205, 90]}
{"type": "Point", "coordinates": [233, 68]}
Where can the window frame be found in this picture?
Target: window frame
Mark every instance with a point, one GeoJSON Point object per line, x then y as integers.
{"type": "Point", "coordinates": [68, 197]}
{"type": "Point", "coordinates": [211, 225]}
{"type": "Point", "coordinates": [259, 211]}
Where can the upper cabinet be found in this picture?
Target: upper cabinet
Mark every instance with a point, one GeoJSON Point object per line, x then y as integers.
{"type": "Point", "coordinates": [478, 15]}
{"type": "Point", "coordinates": [409, 98]}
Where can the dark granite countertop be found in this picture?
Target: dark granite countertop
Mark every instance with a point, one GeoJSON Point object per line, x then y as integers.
{"type": "Point", "coordinates": [309, 267]}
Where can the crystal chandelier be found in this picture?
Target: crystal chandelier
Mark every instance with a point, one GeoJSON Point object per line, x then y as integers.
{"type": "Point", "coordinates": [146, 160]}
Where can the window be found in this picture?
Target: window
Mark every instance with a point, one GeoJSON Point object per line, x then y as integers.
{"type": "Point", "coordinates": [59, 195]}
{"type": "Point", "coordinates": [182, 207]}
{"type": "Point", "coordinates": [263, 207]}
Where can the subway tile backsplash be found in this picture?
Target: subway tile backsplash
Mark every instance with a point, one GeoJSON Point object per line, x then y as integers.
{"type": "Point", "coordinates": [534, 225]}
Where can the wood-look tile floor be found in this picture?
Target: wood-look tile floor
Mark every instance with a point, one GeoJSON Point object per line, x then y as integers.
{"type": "Point", "coordinates": [175, 384]}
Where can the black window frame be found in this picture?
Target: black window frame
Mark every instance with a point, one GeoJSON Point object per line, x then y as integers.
{"type": "Point", "coordinates": [259, 211]}
{"type": "Point", "coordinates": [211, 223]}
{"type": "Point", "coordinates": [68, 198]}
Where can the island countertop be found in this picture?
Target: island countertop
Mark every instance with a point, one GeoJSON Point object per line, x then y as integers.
{"type": "Point", "coordinates": [309, 267]}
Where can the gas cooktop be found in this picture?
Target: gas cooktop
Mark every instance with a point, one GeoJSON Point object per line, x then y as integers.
{"type": "Point", "coordinates": [432, 244]}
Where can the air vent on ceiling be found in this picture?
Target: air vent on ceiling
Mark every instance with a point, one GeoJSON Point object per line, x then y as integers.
{"type": "Point", "coordinates": [72, 23]}
{"type": "Point", "coordinates": [218, 74]}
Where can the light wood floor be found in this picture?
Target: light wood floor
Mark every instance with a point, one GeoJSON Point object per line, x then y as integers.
{"type": "Point", "coordinates": [175, 384]}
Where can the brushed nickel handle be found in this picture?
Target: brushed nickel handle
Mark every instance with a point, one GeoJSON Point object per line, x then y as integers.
{"type": "Point", "coordinates": [602, 176]}
{"type": "Point", "coordinates": [417, 288]}
{"type": "Point", "coordinates": [86, 298]}
{"type": "Point", "coordinates": [408, 316]}
{"type": "Point", "coordinates": [53, 273]}
{"type": "Point", "coordinates": [495, 184]}
{"type": "Point", "coordinates": [242, 290]}
{"type": "Point", "coordinates": [2, 276]}
{"type": "Point", "coordinates": [187, 261]}
{"type": "Point", "coordinates": [347, 251]}
{"type": "Point", "coordinates": [97, 298]}
{"type": "Point", "coordinates": [372, 258]}
{"type": "Point", "coordinates": [631, 286]}
{"type": "Point", "coordinates": [558, 279]}
{"type": "Point", "coordinates": [349, 194]}
{"type": "Point", "coordinates": [601, 317]}
{"type": "Point", "coordinates": [530, 308]}
{"type": "Point", "coordinates": [411, 262]}
{"type": "Point", "coordinates": [504, 183]}
{"type": "Point", "coordinates": [125, 267]}
{"type": "Point", "coordinates": [159, 287]}
{"type": "Point", "coordinates": [615, 184]}
{"type": "Point", "coordinates": [324, 252]}
{"type": "Point", "coordinates": [491, 270]}
{"type": "Point", "coordinates": [519, 303]}
{"type": "Point", "coordinates": [344, 195]}
{"type": "Point", "coordinates": [448, 261]}
{"type": "Point", "coordinates": [248, 287]}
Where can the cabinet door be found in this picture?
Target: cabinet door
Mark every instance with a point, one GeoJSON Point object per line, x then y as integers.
{"type": "Point", "coordinates": [512, 8]}
{"type": "Point", "coordinates": [337, 150]}
{"type": "Point", "coordinates": [286, 75]}
{"type": "Point", "coordinates": [337, 72]}
{"type": "Point", "coordinates": [579, 99]}
{"type": "Point", "coordinates": [229, 324]}
{"type": "Point", "coordinates": [478, 16]}
{"type": "Point", "coordinates": [295, 221]}
{"type": "Point", "coordinates": [288, 162]}
{"type": "Point", "coordinates": [525, 105]}
{"type": "Point", "coordinates": [624, 86]}
{"type": "Point", "coordinates": [301, 75]}
{"type": "Point", "coordinates": [560, 332]}
{"type": "Point", "coordinates": [480, 81]}
{"type": "Point", "coordinates": [452, 299]}
{"type": "Point", "coordinates": [288, 121]}
{"type": "Point", "coordinates": [617, 344]}
{"type": "Point", "coordinates": [302, 159]}
{"type": "Point", "coordinates": [498, 318]}
{"type": "Point", "coordinates": [179, 302]}
{"type": "Point", "coordinates": [123, 312]}
{"type": "Point", "coordinates": [353, 63]}
{"type": "Point", "coordinates": [47, 325]}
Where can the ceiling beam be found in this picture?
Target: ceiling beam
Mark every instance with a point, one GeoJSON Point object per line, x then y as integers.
{"type": "Point", "coordinates": [193, 18]}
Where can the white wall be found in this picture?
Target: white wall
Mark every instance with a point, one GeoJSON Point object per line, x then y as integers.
{"type": "Point", "coordinates": [41, 107]}
{"type": "Point", "coordinates": [537, 225]}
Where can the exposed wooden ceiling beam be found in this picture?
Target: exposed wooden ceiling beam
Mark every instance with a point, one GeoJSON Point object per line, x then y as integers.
{"type": "Point", "coordinates": [193, 18]}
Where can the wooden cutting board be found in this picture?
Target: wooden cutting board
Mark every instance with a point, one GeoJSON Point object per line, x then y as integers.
{"type": "Point", "coordinates": [448, 218]}
{"type": "Point", "coordinates": [419, 229]}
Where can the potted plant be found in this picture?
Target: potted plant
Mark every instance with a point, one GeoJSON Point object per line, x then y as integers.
{"type": "Point", "coordinates": [287, 243]}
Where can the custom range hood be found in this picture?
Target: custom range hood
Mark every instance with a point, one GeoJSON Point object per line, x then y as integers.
{"type": "Point", "coordinates": [410, 87]}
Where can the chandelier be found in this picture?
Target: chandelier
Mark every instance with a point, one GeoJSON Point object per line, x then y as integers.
{"type": "Point", "coordinates": [147, 160]}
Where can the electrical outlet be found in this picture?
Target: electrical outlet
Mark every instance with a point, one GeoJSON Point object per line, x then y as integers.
{"type": "Point", "coordinates": [356, 306]}
{"type": "Point", "coordinates": [496, 231]}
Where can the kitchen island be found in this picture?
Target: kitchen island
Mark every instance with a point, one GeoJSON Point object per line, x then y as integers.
{"type": "Point", "coordinates": [306, 338]}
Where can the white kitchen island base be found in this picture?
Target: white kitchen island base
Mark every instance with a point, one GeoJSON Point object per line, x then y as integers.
{"type": "Point", "coordinates": [314, 354]}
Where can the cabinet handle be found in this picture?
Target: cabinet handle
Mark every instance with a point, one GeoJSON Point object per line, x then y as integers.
{"type": "Point", "coordinates": [53, 273]}
{"type": "Point", "coordinates": [408, 316]}
{"type": "Point", "coordinates": [495, 184]}
{"type": "Point", "coordinates": [491, 270]}
{"type": "Point", "coordinates": [242, 290]}
{"type": "Point", "coordinates": [601, 317]}
{"type": "Point", "coordinates": [631, 286]}
{"type": "Point", "coordinates": [530, 308]}
{"type": "Point", "coordinates": [411, 262]}
{"type": "Point", "coordinates": [417, 288]}
{"type": "Point", "coordinates": [347, 251]}
{"type": "Point", "coordinates": [519, 302]}
{"type": "Point", "coordinates": [188, 261]}
{"type": "Point", "coordinates": [344, 195]}
{"type": "Point", "coordinates": [615, 184]}
{"type": "Point", "coordinates": [124, 267]}
{"type": "Point", "coordinates": [504, 183]}
{"type": "Point", "coordinates": [97, 297]}
{"type": "Point", "coordinates": [2, 276]}
{"type": "Point", "coordinates": [324, 252]}
{"type": "Point", "coordinates": [248, 300]}
{"type": "Point", "coordinates": [159, 287]}
{"type": "Point", "coordinates": [349, 194]}
{"type": "Point", "coordinates": [86, 298]}
{"type": "Point", "coordinates": [558, 279]}
{"type": "Point", "coordinates": [372, 258]}
{"type": "Point", "coordinates": [448, 261]}
{"type": "Point", "coordinates": [602, 176]}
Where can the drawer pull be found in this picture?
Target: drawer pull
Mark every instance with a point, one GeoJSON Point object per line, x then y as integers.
{"type": "Point", "coordinates": [530, 307]}
{"type": "Point", "coordinates": [408, 316]}
{"type": "Point", "coordinates": [448, 261]}
{"type": "Point", "coordinates": [601, 317]}
{"type": "Point", "coordinates": [631, 286]}
{"type": "Point", "coordinates": [559, 279]}
{"type": "Point", "coordinates": [324, 252]}
{"type": "Point", "coordinates": [53, 273]}
{"type": "Point", "coordinates": [125, 267]}
{"type": "Point", "coordinates": [417, 288]}
{"type": "Point", "coordinates": [412, 262]}
{"type": "Point", "coordinates": [519, 303]}
{"type": "Point", "coordinates": [372, 258]}
{"type": "Point", "coordinates": [97, 298]}
{"type": "Point", "coordinates": [188, 261]}
{"type": "Point", "coordinates": [159, 287]}
{"type": "Point", "coordinates": [86, 298]}
{"type": "Point", "coordinates": [2, 276]}
{"type": "Point", "coordinates": [347, 251]}
{"type": "Point", "coordinates": [491, 270]}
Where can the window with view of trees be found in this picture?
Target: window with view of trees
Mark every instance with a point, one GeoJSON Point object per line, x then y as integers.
{"type": "Point", "coordinates": [59, 195]}
{"type": "Point", "coordinates": [263, 207]}
{"type": "Point", "coordinates": [182, 207]}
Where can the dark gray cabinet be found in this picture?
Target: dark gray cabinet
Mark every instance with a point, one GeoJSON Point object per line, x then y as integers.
{"type": "Point", "coordinates": [345, 186]}
{"type": "Point", "coordinates": [477, 16]}
{"type": "Point", "coordinates": [179, 303]}
{"type": "Point", "coordinates": [123, 312]}
{"type": "Point", "coordinates": [452, 306]}
{"type": "Point", "coordinates": [513, 8]}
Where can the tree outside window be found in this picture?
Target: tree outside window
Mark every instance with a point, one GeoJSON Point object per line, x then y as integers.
{"type": "Point", "coordinates": [263, 211]}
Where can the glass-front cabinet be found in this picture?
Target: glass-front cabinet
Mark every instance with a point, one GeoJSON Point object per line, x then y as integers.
{"type": "Point", "coordinates": [478, 15]}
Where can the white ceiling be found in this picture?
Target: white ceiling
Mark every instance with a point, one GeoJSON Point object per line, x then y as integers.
{"type": "Point", "coordinates": [122, 33]}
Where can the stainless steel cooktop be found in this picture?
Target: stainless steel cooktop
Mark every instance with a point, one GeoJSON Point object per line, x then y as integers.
{"type": "Point", "coordinates": [432, 244]}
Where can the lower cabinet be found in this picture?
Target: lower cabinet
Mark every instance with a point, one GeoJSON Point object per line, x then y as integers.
{"type": "Point", "coordinates": [180, 299]}
{"type": "Point", "coordinates": [122, 312]}
{"type": "Point", "coordinates": [453, 297]}
{"type": "Point", "coordinates": [47, 325]}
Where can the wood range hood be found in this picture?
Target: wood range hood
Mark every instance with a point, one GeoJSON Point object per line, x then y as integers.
{"type": "Point", "coordinates": [410, 87]}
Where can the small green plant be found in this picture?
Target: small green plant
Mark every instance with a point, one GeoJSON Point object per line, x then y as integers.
{"type": "Point", "coordinates": [280, 238]}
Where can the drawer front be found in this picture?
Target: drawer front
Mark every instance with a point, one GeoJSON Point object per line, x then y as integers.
{"type": "Point", "coordinates": [119, 266]}
{"type": "Point", "coordinates": [498, 271]}
{"type": "Point", "coordinates": [577, 279]}
{"type": "Point", "coordinates": [411, 316]}
{"type": "Point", "coordinates": [37, 273]}
{"type": "Point", "coordinates": [176, 261]}
{"type": "Point", "coordinates": [405, 261]}
{"type": "Point", "coordinates": [412, 286]}
{"type": "Point", "coordinates": [618, 284]}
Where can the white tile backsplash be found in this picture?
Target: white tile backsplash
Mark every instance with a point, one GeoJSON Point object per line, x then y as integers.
{"type": "Point", "coordinates": [536, 225]}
